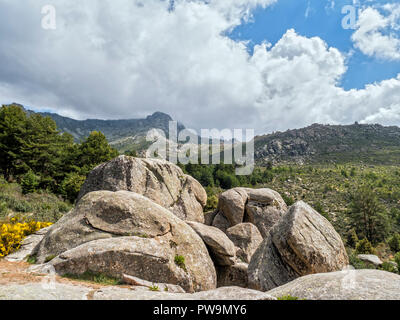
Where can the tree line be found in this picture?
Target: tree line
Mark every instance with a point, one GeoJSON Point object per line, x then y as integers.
{"type": "Point", "coordinates": [35, 154]}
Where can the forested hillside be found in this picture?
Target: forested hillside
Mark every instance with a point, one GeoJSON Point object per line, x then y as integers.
{"type": "Point", "coordinates": [35, 154]}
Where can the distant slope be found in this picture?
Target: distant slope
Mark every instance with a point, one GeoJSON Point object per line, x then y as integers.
{"type": "Point", "coordinates": [331, 143]}
{"type": "Point", "coordinates": [124, 135]}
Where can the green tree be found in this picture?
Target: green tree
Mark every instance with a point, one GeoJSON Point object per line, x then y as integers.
{"type": "Point", "coordinates": [352, 238]}
{"type": "Point", "coordinates": [43, 149]}
{"type": "Point", "coordinates": [364, 247]}
{"type": "Point", "coordinates": [29, 183]}
{"type": "Point", "coordinates": [394, 242]}
{"type": "Point", "coordinates": [12, 135]}
{"type": "Point", "coordinates": [368, 217]}
{"type": "Point", "coordinates": [71, 186]}
{"type": "Point", "coordinates": [95, 150]}
{"type": "Point", "coordinates": [397, 259]}
{"type": "Point", "coordinates": [131, 153]}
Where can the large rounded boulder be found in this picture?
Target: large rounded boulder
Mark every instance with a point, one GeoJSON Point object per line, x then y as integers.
{"type": "Point", "coordinates": [302, 243]}
{"type": "Point", "coordinates": [261, 207]}
{"type": "Point", "coordinates": [126, 233]}
{"type": "Point", "coordinates": [343, 285]}
{"type": "Point", "coordinates": [158, 180]}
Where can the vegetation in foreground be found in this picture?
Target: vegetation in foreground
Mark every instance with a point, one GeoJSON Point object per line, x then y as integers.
{"type": "Point", "coordinates": [13, 232]}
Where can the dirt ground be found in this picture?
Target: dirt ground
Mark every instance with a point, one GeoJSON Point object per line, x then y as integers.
{"type": "Point", "coordinates": [17, 272]}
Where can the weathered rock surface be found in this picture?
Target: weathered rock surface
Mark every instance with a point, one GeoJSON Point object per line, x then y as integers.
{"type": "Point", "coordinates": [124, 232]}
{"type": "Point", "coordinates": [222, 249]}
{"type": "Point", "coordinates": [27, 246]}
{"type": "Point", "coordinates": [247, 238]}
{"type": "Point", "coordinates": [262, 207]}
{"type": "Point", "coordinates": [221, 222]}
{"type": "Point", "coordinates": [302, 243]}
{"type": "Point", "coordinates": [60, 291]}
{"type": "Point", "coordinates": [371, 259]}
{"type": "Point", "coordinates": [37, 291]}
{"type": "Point", "coordinates": [343, 285]}
{"type": "Point", "coordinates": [158, 180]}
{"type": "Point", "coordinates": [232, 205]}
{"type": "Point", "coordinates": [164, 287]}
{"type": "Point", "coordinates": [209, 217]}
{"type": "Point", "coordinates": [235, 275]}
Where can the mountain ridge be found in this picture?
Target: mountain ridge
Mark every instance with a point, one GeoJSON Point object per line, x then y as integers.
{"type": "Point", "coordinates": [369, 143]}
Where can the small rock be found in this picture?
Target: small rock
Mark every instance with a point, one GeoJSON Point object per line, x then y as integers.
{"type": "Point", "coordinates": [371, 259]}
{"type": "Point", "coordinates": [247, 237]}
{"type": "Point", "coordinates": [221, 248]}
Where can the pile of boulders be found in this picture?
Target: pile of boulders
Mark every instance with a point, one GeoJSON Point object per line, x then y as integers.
{"type": "Point", "coordinates": [142, 221]}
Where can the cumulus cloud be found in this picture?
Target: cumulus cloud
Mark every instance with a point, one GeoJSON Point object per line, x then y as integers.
{"type": "Point", "coordinates": [377, 33]}
{"type": "Point", "coordinates": [127, 59]}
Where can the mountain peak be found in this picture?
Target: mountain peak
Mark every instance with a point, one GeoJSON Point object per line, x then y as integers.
{"type": "Point", "coordinates": [160, 116]}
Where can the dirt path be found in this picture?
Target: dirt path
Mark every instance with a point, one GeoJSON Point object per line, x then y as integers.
{"type": "Point", "coordinates": [18, 273]}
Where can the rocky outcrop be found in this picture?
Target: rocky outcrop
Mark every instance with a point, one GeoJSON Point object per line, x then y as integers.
{"type": "Point", "coordinates": [232, 205]}
{"type": "Point", "coordinates": [166, 287]}
{"type": "Point", "coordinates": [220, 222]}
{"type": "Point", "coordinates": [62, 291]}
{"type": "Point", "coordinates": [247, 238]}
{"type": "Point", "coordinates": [343, 285]}
{"type": "Point", "coordinates": [235, 275]}
{"type": "Point", "coordinates": [370, 259]}
{"type": "Point", "coordinates": [150, 259]}
{"type": "Point", "coordinates": [126, 233]}
{"type": "Point", "coordinates": [265, 208]}
{"type": "Point", "coordinates": [222, 249]}
{"type": "Point", "coordinates": [261, 207]}
{"type": "Point", "coordinates": [302, 243]}
{"type": "Point", "coordinates": [158, 180]}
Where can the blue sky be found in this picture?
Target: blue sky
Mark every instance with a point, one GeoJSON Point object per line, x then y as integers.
{"type": "Point", "coordinates": [317, 18]}
{"type": "Point", "coordinates": [130, 58]}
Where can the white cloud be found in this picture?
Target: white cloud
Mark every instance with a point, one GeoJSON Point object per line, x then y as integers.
{"type": "Point", "coordinates": [130, 59]}
{"type": "Point", "coordinates": [376, 33]}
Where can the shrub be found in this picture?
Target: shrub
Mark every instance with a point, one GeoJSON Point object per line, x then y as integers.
{"type": "Point", "coordinates": [71, 186]}
{"type": "Point", "coordinates": [180, 262]}
{"type": "Point", "coordinates": [387, 266]}
{"type": "Point", "coordinates": [212, 203]}
{"type": "Point", "coordinates": [397, 259]}
{"type": "Point", "coordinates": [394, 242]}
{"type": "Point", "coordinates": [12, 234]}
{"type": "Point", "coordinates": [352, 238]}
{"type": "Point", "coordinates": [364, 247]}
{"type": "Point", "coordinates": [288, 200]}
{"type": "Point", "coordinates": [29, 182]}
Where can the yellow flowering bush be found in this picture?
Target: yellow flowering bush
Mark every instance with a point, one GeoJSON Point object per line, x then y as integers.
{"type": "Point", "coordinates": [12, 234]}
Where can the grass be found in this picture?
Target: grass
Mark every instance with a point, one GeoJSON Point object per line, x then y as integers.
{"type": "Point", "coordinates": [41, 206]}
{"type": "Point", "coordinates": [180, 262]}
{"type": "Point", "coordinates": [154, 288]}
{"type": "Point", "coordinates": [49, 258]}
{"type": "Point", "coordinates": [31, 259]}
{"type": "Point", "coordinates": [289, 297]}
{"type": "Point", "coordinates": [96, 277]}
